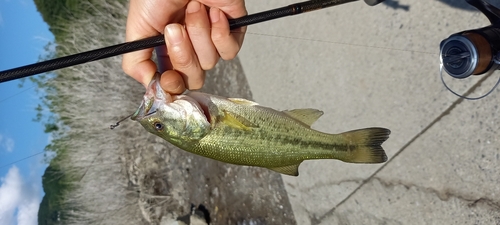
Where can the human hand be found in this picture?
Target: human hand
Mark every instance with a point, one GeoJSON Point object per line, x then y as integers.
{"type": "Point", "coordinates": [190, 49]}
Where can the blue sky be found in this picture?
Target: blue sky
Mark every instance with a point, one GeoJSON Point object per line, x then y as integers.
{"type": "Point", "coordinates": [23, 35]}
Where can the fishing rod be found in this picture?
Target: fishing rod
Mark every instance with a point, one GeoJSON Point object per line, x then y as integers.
{"type": "Point", "coordinates": [473, 52]}
{"type": "Point", "coordinates": [106, 52]}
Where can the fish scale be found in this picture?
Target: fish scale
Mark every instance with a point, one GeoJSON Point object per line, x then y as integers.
{"type": "Point", "coordinates": [241, 132]}
{"type": "Point", "coordinates": [268, 142]}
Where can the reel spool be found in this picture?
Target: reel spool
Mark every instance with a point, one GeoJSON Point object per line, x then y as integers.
{"type": "Point", "coordinates": [473, 52]}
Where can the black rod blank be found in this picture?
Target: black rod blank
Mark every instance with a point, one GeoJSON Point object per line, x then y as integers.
{"type": "Point", "coordinates": [93, 55]}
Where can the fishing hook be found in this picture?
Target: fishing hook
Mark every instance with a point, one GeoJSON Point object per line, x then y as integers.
{"type": "Point", "coordinates": [113, 126]}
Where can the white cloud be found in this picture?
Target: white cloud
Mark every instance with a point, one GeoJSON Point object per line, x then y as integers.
{"type": "Point", "coordinates": [18, 197]}
{"type": "Point", "coordinates": [9, 144]}
{"type": "Point", "coordinates": [6, 143]}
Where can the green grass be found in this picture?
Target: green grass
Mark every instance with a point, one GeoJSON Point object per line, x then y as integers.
{"type": "Point", "coordinates": [73, 98]}
{"type": "Point", "coordinates": [126, 175]}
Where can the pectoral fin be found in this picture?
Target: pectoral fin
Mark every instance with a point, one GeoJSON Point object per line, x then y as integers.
{"type": "Point", "coordinates": [292, 170]}
{"type": "Point", "coordinates": [307, 116]}
{"type": "Point", "coordinates": [237, 121]}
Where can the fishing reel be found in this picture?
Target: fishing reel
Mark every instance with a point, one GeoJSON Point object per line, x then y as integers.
{"type": "Point", "coordinates": [473, 52]}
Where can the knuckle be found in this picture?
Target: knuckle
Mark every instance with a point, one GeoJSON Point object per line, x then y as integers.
{"type": "Point", "coordinates": [126, 67]}
{"type": "Point", "coordinates": [228, 55]}
{"type": "Point", "coordinates": [196, 82]}
{"type": "Point", "coordinates": [218, 36]}
{"type": "Point", "coordinates": [181, 59]}
{"type": "Point", "coordinates": [209, 63]}
{"type": "Point", "coordinates": [193, 30]}
{"type": "Point", "coordinates": [232, 55]}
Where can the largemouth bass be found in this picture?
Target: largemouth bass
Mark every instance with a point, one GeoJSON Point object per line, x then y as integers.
{"type": "Point", "coordinates": [241, 132]}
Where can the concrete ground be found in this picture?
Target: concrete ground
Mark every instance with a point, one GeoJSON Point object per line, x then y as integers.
{"type": "Point", "coordinates": [378, 66]}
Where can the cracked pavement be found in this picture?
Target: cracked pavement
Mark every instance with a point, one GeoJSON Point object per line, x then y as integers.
{"type": "Point", "coordinates": [379, 66]}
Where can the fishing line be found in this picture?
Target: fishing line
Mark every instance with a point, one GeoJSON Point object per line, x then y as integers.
{"type": "Point", "coordinates": [14, 95]}
{"type": "Point", "coordinates": [84, 57]}
{"type": "Point", "coordinates": [284, 37]}
{"type": "Point", "coordinates": [159, 40]}
{"type": "Point", "coordinates": [465, 97]}
{"type": "Point", "coordinates": [8, 164]}
{"type": "Point", "coordinates": [9, 97]}
{"type": "Point", "coordinates": [340, 43]}
{"type": "Point", "coordinates": [113, 126]}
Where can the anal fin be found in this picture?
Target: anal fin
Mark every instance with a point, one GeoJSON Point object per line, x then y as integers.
{"type": "Point", "coordinates": [292, 170]}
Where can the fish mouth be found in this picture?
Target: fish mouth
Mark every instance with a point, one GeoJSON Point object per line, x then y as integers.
{"type": "Point", "coordinates": [147, 108]}
{"type": "Point", "coordinates": [153, 98]}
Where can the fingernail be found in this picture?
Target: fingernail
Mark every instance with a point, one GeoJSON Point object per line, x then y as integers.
{"type": "Point", "coordinates": [174, 34]}
{"type": "Point", "coordinates": [193, 7]}
{"type": "Point", "coordinates": [214, 15]}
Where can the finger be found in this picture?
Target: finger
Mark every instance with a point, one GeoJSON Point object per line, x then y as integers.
{"type": "Point", "coordinates": [198, 29]}
{"type": "Point", "coordinates": [172, 82]}
{"type": "Point", "coordinates": [183, 57]}
{"type": "Point", "coordinates": [232, 8]}
{"type": "Point", "coordinates": [139, 66]}
{"type": "Point", "coordinates": [228, 44]}
{"type": "Point", "coordinates": [146, 21]}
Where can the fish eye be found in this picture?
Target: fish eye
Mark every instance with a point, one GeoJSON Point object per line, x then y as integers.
{"type": "Point", "coordinates": [158, 126]}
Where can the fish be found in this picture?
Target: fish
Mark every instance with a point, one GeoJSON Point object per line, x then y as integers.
{"type": "Point", "coordinates": [242, 132]}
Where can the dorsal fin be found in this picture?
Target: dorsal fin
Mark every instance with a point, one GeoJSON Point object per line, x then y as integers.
{"type": "Point", "coordinates": [242, 101]}
{"type": "Point", "coordinates": [307, 116]}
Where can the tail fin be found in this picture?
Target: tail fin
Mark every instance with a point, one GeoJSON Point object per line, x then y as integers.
{"type": "Point", "coordinates": [368, 145]}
